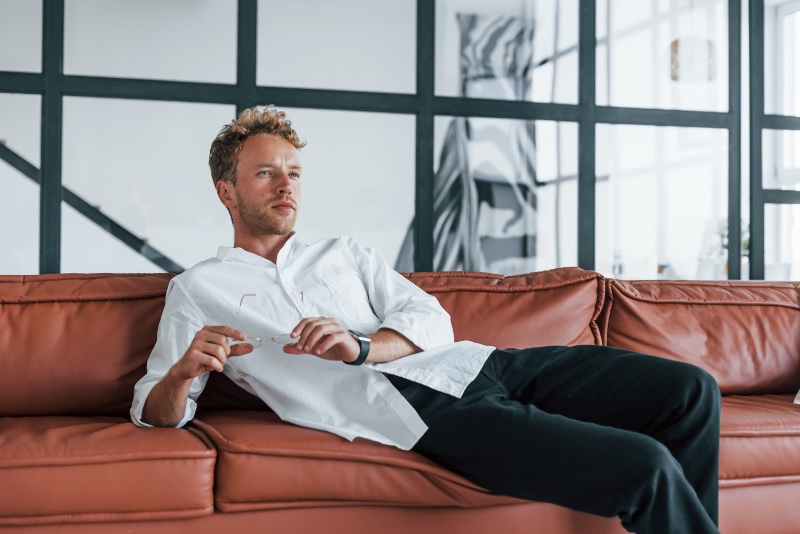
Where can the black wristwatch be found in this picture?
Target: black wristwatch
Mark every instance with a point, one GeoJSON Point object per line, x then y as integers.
{"type": "Point", "coordinates": [363, 342]}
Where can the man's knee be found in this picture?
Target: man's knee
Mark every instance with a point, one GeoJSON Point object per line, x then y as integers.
{"type": "Point", "coordinates": [694, 387]}
{"type": "Point", "coordinates": [702, 386]}
{"type": "Point", "coordinates": [655, 465]}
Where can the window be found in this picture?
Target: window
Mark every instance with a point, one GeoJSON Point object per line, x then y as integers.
{"type": "Point", "coordinates": [665, 55]}
{"type": "Point", "coordinates": [662, 202]}
{"type": "Point", "coordinates": [786, 147]}
{"type": "Point", "coordinates": [581, 74]}
{"type": "Point", "coordinates": [359, 45]}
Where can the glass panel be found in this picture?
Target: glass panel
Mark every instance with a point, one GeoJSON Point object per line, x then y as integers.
{"type": "Point", "coordinates": [87, 248]}
{"type": "Point", "coordinates": [19, 128]}
{"type": "Point", "coordinates": [358, 177]}
{"type": "Point", "coordinates": [782, 242]}
{"type": "Point", "coordinates": [172, 40]}
{"type": "Point", "coordinates": [781, 57]}
{"type": "Point", "coordinates": [781, 159]}
{"type": "Point", "coordinates": [663, 55]}
{"type": "Point", "coordinates": [21, 35]}
{"type": "Point", "coordinates": [513, 50]}
{"type": "Point", "coordinates": [151, 176]}
{"type": "Point", "coordinates": [19, 222]}
{"type": "Point", "coordinates": [358, 45]}
{"type": "Point", "coordinates": [505, 195]}
{"type": "Point", "coordinates": [661, 202]}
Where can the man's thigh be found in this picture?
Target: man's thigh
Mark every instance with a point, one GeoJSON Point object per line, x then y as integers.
{"type": "Point", "coordinates": [520, 450]}
{"type": "Point", "coordinates": [603, 385]}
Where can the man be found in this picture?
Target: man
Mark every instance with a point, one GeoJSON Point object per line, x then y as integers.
{"type": "Point", "coordinates": [596, 429]}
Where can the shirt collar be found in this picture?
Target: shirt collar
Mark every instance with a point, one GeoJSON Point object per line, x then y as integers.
{"type": "Point", "coordinates": [241, 255]}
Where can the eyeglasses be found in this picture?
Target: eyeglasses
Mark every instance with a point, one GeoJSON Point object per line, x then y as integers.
{"type": "Point", "coordinates": [255, 341]}
{"type": "Point", "coordinates": [280, 339]}
{"type": "Point", "coordinates": [283, 339]}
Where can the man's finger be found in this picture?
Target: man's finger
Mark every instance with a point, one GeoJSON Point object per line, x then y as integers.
{"type": "Point", "coordinates": [304, 324]}
{"type": "Point", "coordinates": [214, 350]}
{"type": "Point", "coordinates": [240, 349]}
{"type": "Point", "coordinates": [305, 339]}
{"type": "Point", "coordinates": [212, 363]}
{"type": "Point", "coordinates": [292, 349]}
{"type": "Point", "coordinates": [227, 331]}
{"type": "Point", "coordinates": [319, 334]}
{"type": "Point", "coordinates": [297, 330]}
{"type": "Point", "coordinates": [215, 338]}
{"type": "Point", "coordinates": [329, 342]}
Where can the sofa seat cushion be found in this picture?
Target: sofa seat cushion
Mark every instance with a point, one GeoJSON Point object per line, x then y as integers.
{"type": "Point", "coordinates": [67, 469]}
{"type": "Point", "coordinates": [266, 463]}
{"type": "Point", "coordinates": [759, 440]}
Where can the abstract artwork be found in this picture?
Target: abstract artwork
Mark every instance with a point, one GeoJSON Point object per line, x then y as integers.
{"type": "Point", "coordinates": [484, 188]}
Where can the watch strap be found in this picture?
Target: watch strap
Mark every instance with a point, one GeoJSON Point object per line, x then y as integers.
{"type": "Point", "coordinates": [363, 343]}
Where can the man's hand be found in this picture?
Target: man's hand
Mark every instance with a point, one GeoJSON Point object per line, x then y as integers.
{"type": "Point", "coordinates": [325, 338]}
{"type": "Point", "coordinates": [209, 351]}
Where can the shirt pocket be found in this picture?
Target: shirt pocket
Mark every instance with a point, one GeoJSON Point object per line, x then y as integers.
{"type": "Point", "coordinates": [348, 293]}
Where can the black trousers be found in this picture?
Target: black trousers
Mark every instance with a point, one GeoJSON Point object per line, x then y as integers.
{"type": "Point", "coordinates": [595, 429]}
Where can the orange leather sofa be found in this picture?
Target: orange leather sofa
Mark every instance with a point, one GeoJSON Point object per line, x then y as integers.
{"type": "Point", "coordinates": [72, 347]}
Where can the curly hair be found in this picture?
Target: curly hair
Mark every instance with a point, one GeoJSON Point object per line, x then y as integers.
{"type": "Point", "coordinates": [250, 123]}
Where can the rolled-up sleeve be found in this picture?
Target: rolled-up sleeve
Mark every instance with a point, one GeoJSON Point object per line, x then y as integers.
{"type": "Point", "coordinates": [399, 304]}
{"type": "Point", "coordinates": [180, 321]}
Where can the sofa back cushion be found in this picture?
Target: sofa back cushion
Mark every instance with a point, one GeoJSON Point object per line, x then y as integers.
{"type": "Point", "coordinates": [76, 343]}
{"type": "Point", "coordinates": [555, 307]}
{"type": "Point", "coordinates": [746, 334]}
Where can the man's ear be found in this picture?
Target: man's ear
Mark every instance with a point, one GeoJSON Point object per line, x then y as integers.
{"type": "Point", "coordinates": [226, 194]}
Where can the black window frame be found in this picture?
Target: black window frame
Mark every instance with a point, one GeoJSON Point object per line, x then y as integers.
{"type": "Point", "coordinates": [53, 85]}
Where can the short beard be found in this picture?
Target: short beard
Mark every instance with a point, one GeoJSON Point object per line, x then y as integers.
{"type": "Point", "coordinates": [258, 220]}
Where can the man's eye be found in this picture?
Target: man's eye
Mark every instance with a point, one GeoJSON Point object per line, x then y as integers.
{"type": "Point", "coordinates": [295, 175]}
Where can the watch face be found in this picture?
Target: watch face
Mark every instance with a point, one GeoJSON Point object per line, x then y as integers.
{"type": "Point", "coordinates": [359, 336]}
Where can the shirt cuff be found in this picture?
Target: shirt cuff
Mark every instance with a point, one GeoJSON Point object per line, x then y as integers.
{"type": "Point", "coordinates": [434, 334]}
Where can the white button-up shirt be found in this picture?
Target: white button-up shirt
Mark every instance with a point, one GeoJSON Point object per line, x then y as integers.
{"type": "Point", "coordinates": [334, 278]}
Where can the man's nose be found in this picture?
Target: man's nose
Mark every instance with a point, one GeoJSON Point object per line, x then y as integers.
{"type": "Point", "coordinates": [284, 184]}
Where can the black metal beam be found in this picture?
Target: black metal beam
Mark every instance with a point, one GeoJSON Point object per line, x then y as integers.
{"type": "Point", "coordinates": [134, 89]}
{"type": "Point", "coordinates": [734, 139]}
{"type": "Point", "coordinates": [211, 93]}
{"type": "Point", "coordinates": [247, 40]}
{"type": "Point", "coordinates": [52, 117]}
{"type": "Point", "coordinates": [19, 163]}
{"type": "Point", "coordinates": [662, 117]}
{"type": "Point", "coordinates": [780, 122]}
{"type": "Point", "coordinates": [505, 109]}
{"type": "Point", "coordinates": [756, 259]}
{"type": "Point", "coordinates": [120, 232]}
{"type": "Point", "coordinates": [424, 218]}
{"type": "Point", "coordinates": [586, 134]}
{"type": "Point", "coordinates": [93, 214]}
{"type": "Point", "coordinates": [781, 196]}
{"type": "Point", "coordinates": [338, 100]}
{"type": "Point", "coordinates": [21, 82]}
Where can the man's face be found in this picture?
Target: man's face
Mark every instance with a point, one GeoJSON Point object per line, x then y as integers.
{"type": "Point", "coordinates": [268, 187]}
